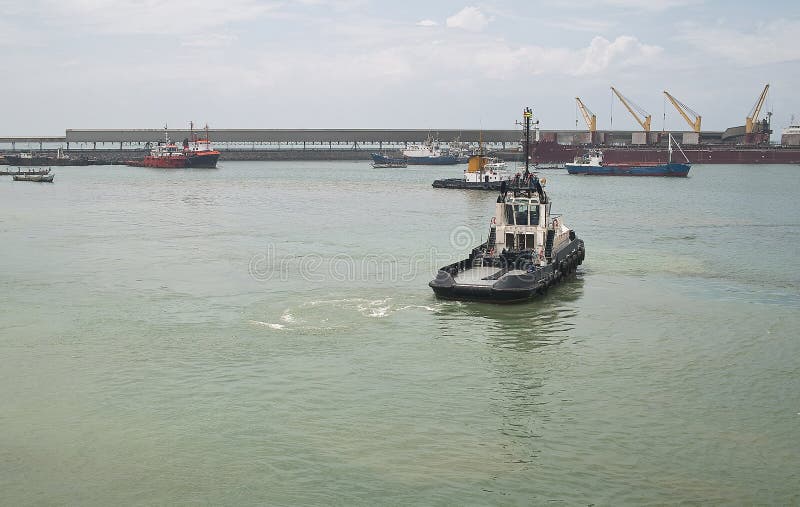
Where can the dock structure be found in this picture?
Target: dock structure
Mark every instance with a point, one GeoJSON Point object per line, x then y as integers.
{"type": "Point", "coordinates": [355, 139]}
{"type": "Point", "coordinates": [116, 145]}
{"type": "Point", "coordinates": [304, 138]}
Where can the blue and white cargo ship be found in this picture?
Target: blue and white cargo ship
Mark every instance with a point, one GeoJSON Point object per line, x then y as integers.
{"type": "Point", "coordinates": [428, 153]}
{"type": "Point", "coordinates": [592, 164]}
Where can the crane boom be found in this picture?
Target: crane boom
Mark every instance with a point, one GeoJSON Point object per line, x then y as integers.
{"type": "Point", "coordinates": [750, 121]}
{"type": "Point", "coordinates": [683, 109]}
{"type": "Point", "coordinates": [644, 123]}
{"type": "Point", "coordinates": [588, 116]}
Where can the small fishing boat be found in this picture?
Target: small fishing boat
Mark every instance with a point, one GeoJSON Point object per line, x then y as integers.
{"type": "Point", "coordinates": [591, 163]}
{"type": "Point", "coordinates": [390, 165]}
{"type": "Point", "coordinates": [41, 178]}
{"type": "Point", "coordinates": [528, 249]}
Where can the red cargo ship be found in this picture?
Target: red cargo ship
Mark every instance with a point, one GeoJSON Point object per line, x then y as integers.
{"type": "Point", "coordinates": [194, 153]}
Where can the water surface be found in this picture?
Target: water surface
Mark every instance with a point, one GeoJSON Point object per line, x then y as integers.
{"type": "Point", "coordinates": [264, 334]}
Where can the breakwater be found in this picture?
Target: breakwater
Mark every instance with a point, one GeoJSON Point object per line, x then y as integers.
{"type": "Point", "coordinates": [119, 157]}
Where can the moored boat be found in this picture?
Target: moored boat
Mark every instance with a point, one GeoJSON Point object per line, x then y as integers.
{"type": "Point", "coordinates": [195, 152]}
{"type": "Point", "coordinates": [528, 249]}
{"type": "Point", "coordinates": [482, 173]}
{"type": "Point", "coordinates": [59, 159]}
{"type": "Point", "coordinates": [430, 152]}
{"type": "Point", "coordinates": [198, 150]}
{"type": "Point", "coordinates": [591, 163]}
{"type": "Point", "coordinates": [389, 165]}
{"type": "Point", "coordinates": [41, 178]}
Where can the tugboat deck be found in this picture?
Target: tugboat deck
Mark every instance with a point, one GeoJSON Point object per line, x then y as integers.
{"type": "Point", "coordinates": [482, 275]}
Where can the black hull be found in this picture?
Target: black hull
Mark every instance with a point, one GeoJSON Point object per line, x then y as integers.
{"type": "Point", "coordinates": [203, 161]}
{"type": "Point", "coordinates": [509, 288]}
{"type": "Point", "coordinates": [459, 183]}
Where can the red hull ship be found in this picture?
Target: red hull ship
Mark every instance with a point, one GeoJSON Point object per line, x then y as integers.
{"type": "Point", "coordinates": [194, 153]}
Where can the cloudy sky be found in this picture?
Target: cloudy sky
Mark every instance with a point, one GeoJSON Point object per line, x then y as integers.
{"type": "Point", "coordinates": [390, 64]}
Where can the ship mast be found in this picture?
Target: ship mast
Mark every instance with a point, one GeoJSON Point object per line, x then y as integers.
{"type": "Point", "coordinates": [527, 115]}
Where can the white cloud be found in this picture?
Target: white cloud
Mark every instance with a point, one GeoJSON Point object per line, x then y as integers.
{"type": "Point", "coordinates": [580, 24]}
{"type": "Point", "coordinates": [469, 18]}
{"type": "Point", "coordinates": [427, 22]}
{"type": "Point", "coordinates": [153, 16]}
{"type": "Point", "coordinates": [213, 40]}
{"type": "Point", "coordinates": [503, 62]}
{"type": "Point", "coordinates": [624, 50]}
{"type": "Point", "coordinates": [648, 5]}
{"type": "Point", "coordinates": [772, 42]}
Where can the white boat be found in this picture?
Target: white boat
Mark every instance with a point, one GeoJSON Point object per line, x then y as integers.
{"type": "Point", "coordinates": [482, 173]}
{"type": "Point", "coordinates": [431, 152]}
{"type": "Point", "coordinates": [494, 164]}
{"type": "Point", "coordinates": [41, 178]}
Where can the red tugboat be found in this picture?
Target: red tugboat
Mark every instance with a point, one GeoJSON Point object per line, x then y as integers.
{"type": "Point", "coordinates": [198, 152]}
{"type": "Point", "coordinates": [194, 153]}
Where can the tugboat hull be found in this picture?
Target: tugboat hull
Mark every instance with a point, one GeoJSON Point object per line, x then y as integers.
{"type": "Point", "coordinates": [204, 160]}
{"type": "Point", "coordinates": [467, 185]}
{"type": "Point", "coordinates": [509, 283]}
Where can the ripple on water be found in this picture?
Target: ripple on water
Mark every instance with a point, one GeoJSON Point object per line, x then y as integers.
{"type": "Point", "coordinates": [319, 315]}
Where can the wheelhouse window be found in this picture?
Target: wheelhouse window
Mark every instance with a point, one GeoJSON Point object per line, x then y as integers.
{"type": "Point", "coordinates": [534, 215]}
{"type": "Point", "coordinates": [509, 214]}
{"type": "Point", "coordinates": [521, 214]}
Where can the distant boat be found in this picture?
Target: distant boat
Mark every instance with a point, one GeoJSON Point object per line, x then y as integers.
{"type": "Point", "coordinates": [60, 159]}
{"type": "Point", "coordinates": [390, 165]}
{"type": "Point", "coordinates": [482, 173]}
{"type": "Point", "coordinates": [41, 178]}
{"type": "Point", "coordinates": [428, 153]}
{"type": "Point", "coordinates": [592, 163]}
{"type": "Point", "coordinates": [168, 155]}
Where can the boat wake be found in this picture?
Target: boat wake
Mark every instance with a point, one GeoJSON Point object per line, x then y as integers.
{"type": "Point", "coordinates": [337, 314]}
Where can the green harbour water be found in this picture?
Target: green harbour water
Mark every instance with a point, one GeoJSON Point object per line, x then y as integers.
{"type": "Point", "coordinates": [263, 334]}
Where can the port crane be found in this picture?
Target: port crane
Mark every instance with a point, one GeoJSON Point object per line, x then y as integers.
{"type": "Point", "coordinates": [753, 117]}
{"type": "Point", "coordinates": [588, 116]}
{"type": "Point", "coordinates": [630, 106]}
{"type": "Point", "coordinates": [684, 109]}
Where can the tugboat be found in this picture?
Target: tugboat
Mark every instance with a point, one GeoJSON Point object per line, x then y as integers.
{"type": "Point", "coordinates": [528, 249]}
{"type": "Point", "coordinates": [168, 155]}
{"type": "Point", "coordinates": [198, 151]}
{"type": "Point", "coordinates": [482, 173]}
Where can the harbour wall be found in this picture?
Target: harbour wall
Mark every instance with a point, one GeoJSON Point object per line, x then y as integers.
{"type": "Point", "coordinates": [112, 157]}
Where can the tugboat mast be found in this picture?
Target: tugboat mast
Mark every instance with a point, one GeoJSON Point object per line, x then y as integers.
{"type": "Point", "coordinates": [527, 114]}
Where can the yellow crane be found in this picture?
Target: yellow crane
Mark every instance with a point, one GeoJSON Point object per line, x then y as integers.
{"type": "Point", "coordinates": [753, 117]}
{"type": "Point", "coordinates": [683, 109]}
{"type": "Point", "coordinates": [631, 106]}
{"type": "Point", "coordinates": [588, 115]}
